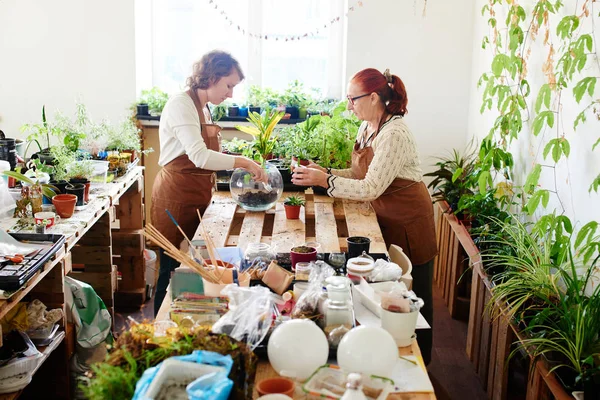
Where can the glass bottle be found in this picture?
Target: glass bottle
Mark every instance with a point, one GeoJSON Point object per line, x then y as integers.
{"type": "Point", "coordinates": [35, 197]}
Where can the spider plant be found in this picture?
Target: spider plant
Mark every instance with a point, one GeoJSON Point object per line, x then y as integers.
{"type": "Point", "coordinates": [262, 131]}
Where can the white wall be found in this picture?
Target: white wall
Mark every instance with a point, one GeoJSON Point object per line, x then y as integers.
{"type": "Point", "coordinates": [573, 175]}
{"type": "Point", "coordinates": [58, 52]}
{"type": "Point", "coordinates": [432, 54]}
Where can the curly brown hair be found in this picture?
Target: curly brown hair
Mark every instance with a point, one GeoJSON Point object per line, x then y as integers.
{"type": "Point", "coordinates": [212, 67]}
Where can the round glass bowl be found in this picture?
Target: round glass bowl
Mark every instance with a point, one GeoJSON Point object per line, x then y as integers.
{"type": "Point", "coordinates": [256, 196]}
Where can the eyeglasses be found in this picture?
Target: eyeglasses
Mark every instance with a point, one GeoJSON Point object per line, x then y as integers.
{"type": "Point", "coordinates": [353, 99]}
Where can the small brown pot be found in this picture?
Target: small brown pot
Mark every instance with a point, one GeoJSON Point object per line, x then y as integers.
{"type": "Point", "coordinates": [292, 212]}
{"type": "Point", "coordinates": [276, 386]}
{"type": "Point", "coordinates": [64, 204]}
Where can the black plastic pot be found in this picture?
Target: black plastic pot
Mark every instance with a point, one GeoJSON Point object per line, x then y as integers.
{"type": "Point", "coordinates": [44, 156]}
{"type": "Point", "coordinates": [78, 190]}
{"type": "Point", "coordinates": [60, 185]}
{"type": "Point", "coordinates": [142, 109]}
{"type": "Point", "coordinates": [293, 111]}
{"type": "Point", "coordinates": [358, 244]}
{"type": "Point", "coordinates": [8, 151]}
{"type": "Point", "coordinates": [254, 109]}
{"type": "Point", "coordinates": [233, 111]}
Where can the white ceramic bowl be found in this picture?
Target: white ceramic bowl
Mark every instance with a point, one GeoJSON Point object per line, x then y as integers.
{"type": "Point", "coordinates": [297, 348]}
{"type": "Point", "coordinates": [369, 350]}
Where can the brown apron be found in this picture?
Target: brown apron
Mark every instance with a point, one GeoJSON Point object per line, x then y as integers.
{"type": "Point", "coordinates": [181, 187]}
{"type": "Point", "coordinates": [404, 211]}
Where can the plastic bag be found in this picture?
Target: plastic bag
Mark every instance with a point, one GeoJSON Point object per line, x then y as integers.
{"type": "Point", "coordinates": [385, 271]}
{"type": "Point", "coordinates": [399, 299]}
{"type": "Point", "coordinates": [250, 314]}
{"type": "Point", "coordinates": [7, 203]}
{"type": "Point", "coordinates": [215, 385]}
{"type": "Point", "coordinates": [307, 305]}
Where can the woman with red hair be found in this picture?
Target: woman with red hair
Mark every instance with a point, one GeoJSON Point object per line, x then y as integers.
{"type": "Point", "coordinates": [386, 171]}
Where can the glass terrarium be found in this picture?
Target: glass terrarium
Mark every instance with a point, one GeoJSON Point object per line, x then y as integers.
{"type": "Point", "coordinates": [256, 196]}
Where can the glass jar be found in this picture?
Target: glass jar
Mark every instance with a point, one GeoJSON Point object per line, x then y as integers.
{"type": "Point", "coordinates": [303, 271]}
{"type": "Point", "coordinates": [259, 253]}
{"type": "Point", "coordinates": [339, 319]}
{"type": "Point", "coordinates": [256, 196]}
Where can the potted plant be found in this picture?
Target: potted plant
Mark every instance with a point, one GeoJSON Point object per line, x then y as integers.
{"type": "Point", "coordinates": [293, 98]}
{"type": "Point", "coordinates": [126, 139]}
{"type": "Point", "coordinates": [218, 112]}
{"type": "Point", "coordinates": [292, 206]}
{"type": "Point", "coordinates": [79, 173]}
{"type": "Point", "coordinates": [302, 254]}
{"type": "Point", "coordinates": [40, 133]}
{"type": "Point", "coordinates": [155, 98]}
{"type": "Point", "coordinates": [254, 99]}
{"type": "Point", "coordinates": [454, 177]}
{"type": "Point", "coordinates": [32, 192]}
{"type": "Point", "coordinates": [233, 110]}
{"type": "Point", "coordinates": [243, 111]}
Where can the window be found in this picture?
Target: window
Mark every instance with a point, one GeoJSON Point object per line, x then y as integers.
{"type": "Point", "coordinates": [173, 34]}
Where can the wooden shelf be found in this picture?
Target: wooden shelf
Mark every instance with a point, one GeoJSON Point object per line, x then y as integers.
{"type": "Point", "coordinates": [7, 305]}
{"type": "Point", "coordinates": [46, 351]}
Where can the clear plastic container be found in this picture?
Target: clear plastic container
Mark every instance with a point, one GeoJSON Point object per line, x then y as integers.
{"type": "Point", "coordinates": [303, 271]}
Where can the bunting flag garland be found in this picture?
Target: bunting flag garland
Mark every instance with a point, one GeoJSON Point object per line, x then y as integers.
{"type": "Point", "coordinates": [286, 38]}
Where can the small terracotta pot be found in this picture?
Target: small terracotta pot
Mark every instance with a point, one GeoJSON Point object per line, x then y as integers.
{"type": "Point", "coordinates": [276, 386]}
{"type": "Point", "coordinates": [303, 257]}
{"type": "Point", "coordinates": [64, 204]}
{"type": "Point", "coordinates": [292, 212]}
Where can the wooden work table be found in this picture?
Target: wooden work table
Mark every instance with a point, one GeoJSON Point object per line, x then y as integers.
{"type": "Point", "coordinates": [324, 220]}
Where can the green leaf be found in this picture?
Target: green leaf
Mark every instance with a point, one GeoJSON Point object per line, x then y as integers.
{"type": "Point", "coordinates": [498, 64]}
{"type": "Point", "coordinates": [596, 144]}
{"type": "Point", "coordinates": [567, 26]}
{"type": "Point", "coordinates": [525, 85]}
{"type": "Point", "coordinates": [595, 185]}
{"type": "Point", "coordinates": [484, 9]}
{"type": "Point", "coordinates": [586, 84]}
{"type": "Point", "coordinates": [566, 147]}
{"type": "Point", "coordinates": [579, 119]}
{"type": "Point", "coordinates": [484, 177]}
{"type": "Point", "coordinates": [556, 151]}
{"type": "Point", "coordinates": [588, 230]}
{"type": "Point", "coordinates": [543, 97]}
{"type": "Point", "coordinates": [566, 222]}
{"type": "Point", "coordinates": [545, 117]}
{"type": "Point", "coordinates": [457, 174]}
{"type": "Point", "coordinates": [533, 179]}
{"type": "Point", "coordinates": [492, 22]}
{"type": "Point", "coordinates": [534, 201]}
{"type": "Point", "coordinates": [549, 146]}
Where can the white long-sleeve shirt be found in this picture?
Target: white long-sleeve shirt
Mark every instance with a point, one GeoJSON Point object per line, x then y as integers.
{"type": "Point", "coordinates": [395, 156]}
{"type": "Point", "coordinates": [179, 133]}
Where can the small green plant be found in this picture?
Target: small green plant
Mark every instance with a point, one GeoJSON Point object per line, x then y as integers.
{"type": "Point", "coordinates": [38, 132]}
{"type": "Point", "coordinates": [63, 158]}
{"type": "Point", "coordinates": [454, 177]}
{"type": "Point", "coordinates": [155, 98]}
{"type": "Point", "coordinates": [294, 201]}
{"type": "Point", "coordinates": [218, 112]}
{"type": "Point", "coordinates": [80, 170]}
{"type": "Point", "coordinates": [127, 137]}
{"type": "Point", "coordinates": [235, 145]}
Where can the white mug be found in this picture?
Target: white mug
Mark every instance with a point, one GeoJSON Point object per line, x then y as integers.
{"type": "Point", "coordinates": [400, 325]}
{"type": "Point", "coordinates": [47, 218]}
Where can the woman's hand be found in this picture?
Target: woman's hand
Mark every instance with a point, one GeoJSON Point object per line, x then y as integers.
{"type": "Point", "coordinates": [316, 166]}
{"type": "Point", "coordinates": [259, 174]}
{"type": "Point", "coordinates": [305, 176]}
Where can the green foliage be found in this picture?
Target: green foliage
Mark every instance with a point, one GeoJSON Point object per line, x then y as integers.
{"type": "Point", "coordinates": [47, 190]}
{"type": "Point", "coordinates": [155, 98]}
{"type": "Point", "coordinates": [294, 201]}
{"type": "Point", "coordinates": [39, 132]}
{"type": "Point", "coordinates": [262, 131]}
{"type": "Point", "coordinates": [126, 137]}
{"type": "Point", "coordinates": [454, 177]}
{"type": "Point", "coordinates": [218, 112]}
{"type": "Point", "coordinates": [235, 145]}
{"type": "Point", "coordinates": [587, 84]}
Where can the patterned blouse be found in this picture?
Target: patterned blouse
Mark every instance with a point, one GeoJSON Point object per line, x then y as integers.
{"type": "Point", "coordinates": [395, 156]}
